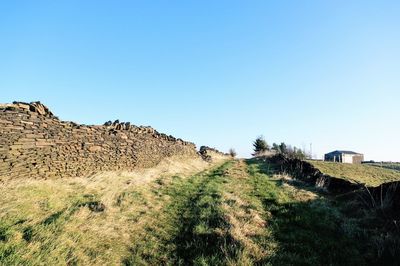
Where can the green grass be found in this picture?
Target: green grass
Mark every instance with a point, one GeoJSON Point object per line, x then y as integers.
{"type": "Point", "coordinates": [306, 227]}
{"type": "Point", "coordinates": [393, 166]}
{"type": "Point", "coordinates": [244, 214]}
{"type": "Point", "coordinates": [191, 229]}
{"type": "Point", "coordinates": [236, 213]}
{"type": "Point", "coordinates": [361, 173]}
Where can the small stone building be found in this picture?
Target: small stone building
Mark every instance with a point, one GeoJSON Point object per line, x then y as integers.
{"type": "Point", "coordinates": [344, 157]}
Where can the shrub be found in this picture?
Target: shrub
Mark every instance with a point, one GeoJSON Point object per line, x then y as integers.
{"type": "Point", "coordinates": [232, 152]}
{"type": "Point", "coordinates": [260, 146]}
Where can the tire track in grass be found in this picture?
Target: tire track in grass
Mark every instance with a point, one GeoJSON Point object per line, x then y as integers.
{"type": "Point", "coordinates": [247, 218]}
{"type": "Point", "coordinates": [191, 229]}
{"type": "Point", "coordinates": [204, 236]}
{"type": "Point", "coordinates": [213, 218]}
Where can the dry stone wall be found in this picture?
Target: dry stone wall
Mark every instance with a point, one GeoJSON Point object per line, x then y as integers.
{"type": "Point", "coordinates": [209, 154]}
{"type": "Point", "coordinates": [36, 144]}
{"type": "Point", "coordinates": [385, 197]}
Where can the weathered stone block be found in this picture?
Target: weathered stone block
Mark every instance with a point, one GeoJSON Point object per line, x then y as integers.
{"type": "Point", "coordinates": [34, 143]}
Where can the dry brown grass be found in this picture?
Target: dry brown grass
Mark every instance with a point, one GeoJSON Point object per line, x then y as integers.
{"type": "Point", "coordinates": [236, 213]}
{"type": "Point", "coordinates": [79, 234]}
{"type": "Point", "coordinates": [246, 217]}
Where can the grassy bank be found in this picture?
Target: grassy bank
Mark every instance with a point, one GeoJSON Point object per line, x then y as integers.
{"type": "Point", "coordinates": [242, 213]}
{"type": "Point", "coordinates": [361, 173]}
{"type": "Point", "coordinates": [393, 166]}
{"type": "Point", "coordinates": [84, 221]}
{"type": "Point", "coordinates": [235, 213]}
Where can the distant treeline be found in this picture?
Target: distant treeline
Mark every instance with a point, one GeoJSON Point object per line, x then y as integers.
{"type": "Point", "coordinates": [261, 147]}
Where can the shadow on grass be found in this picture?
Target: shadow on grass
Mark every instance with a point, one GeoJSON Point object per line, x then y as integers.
{"type": "Point", "coordinates": [310, 232]}
{"type": "Point", "coordinates": [306, 231]}
{"type": "Point", "coordinates": [203, 236]}
{"type": "Point", "coordinates": [195, 231]}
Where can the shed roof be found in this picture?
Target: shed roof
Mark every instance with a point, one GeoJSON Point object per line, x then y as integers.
{"type": "Point", "coordinates": [344, 152]}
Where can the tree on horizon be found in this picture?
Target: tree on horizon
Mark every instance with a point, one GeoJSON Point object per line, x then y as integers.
{"type": "Point", "coordinates": [260, 146]}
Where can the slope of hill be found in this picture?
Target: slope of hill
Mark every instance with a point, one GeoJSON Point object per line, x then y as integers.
{"type": "Point", "coordinates": [118, 194]}
{"type": "Point", "coordinates": [194, 213]}
{"type": "Point", "coordinates": [360, 173]}
{"type": "Point", "coordinates": [393, 166]}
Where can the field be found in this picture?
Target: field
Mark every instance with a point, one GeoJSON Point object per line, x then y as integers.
{"type": "Point", "coordinates": [393, 166]}
{"type": "Point", "coordinates": [360, 173]}
{"type": "Point", "coordinates": [230, 213]}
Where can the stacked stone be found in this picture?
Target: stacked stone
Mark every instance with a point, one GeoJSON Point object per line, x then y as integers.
{"type": "Point", "coordinates": [208, 153]}
{"type": "Point", "coordinates": [36, 144]}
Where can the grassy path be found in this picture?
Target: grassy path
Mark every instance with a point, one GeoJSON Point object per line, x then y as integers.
{"type": "Point", "coordinates": [237, 213]}
{"type": "Point", "coordinates": [191, 229]}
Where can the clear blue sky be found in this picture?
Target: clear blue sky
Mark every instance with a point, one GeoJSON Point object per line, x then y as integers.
{"type": "Point", "coordinates": [218, 73]}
